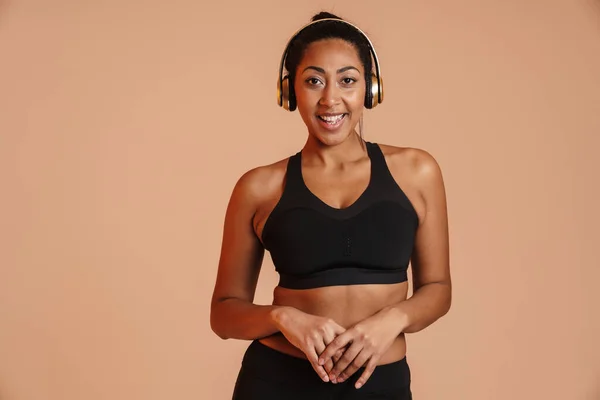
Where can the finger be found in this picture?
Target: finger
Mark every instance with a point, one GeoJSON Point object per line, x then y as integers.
{"type": "Point", "coordinates": [327, 339]}
{"type": "Point", "coordinates": [328, 366]}
{"type": "Point", "coordinates": [328, 363]}
{"type": "Point", "coordinates": [345, 360]}
{"type": "Point", "coordinates": [336, 357]}
{"type": "Point", "coordinates": [338, 329]}
{"type": "Point", "coordinates": [366, 374]}
{"type": "Point", "coordinates": [358, 362]}
{"type": "Point", "coordinates": [320, 370]}
{"type": "Point", "coordinates": [333, 347]}
{"type": "Point", "coordinates": [313, 357]}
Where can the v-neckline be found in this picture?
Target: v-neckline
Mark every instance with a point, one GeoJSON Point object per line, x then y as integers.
{"type": "Point", "coordinates": [356, 202]}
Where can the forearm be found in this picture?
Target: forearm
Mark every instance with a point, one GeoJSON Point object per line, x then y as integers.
{"type": "Point", "coordinates": [427, 304]}
{"type": "Point", "coordinates": [239, 319]}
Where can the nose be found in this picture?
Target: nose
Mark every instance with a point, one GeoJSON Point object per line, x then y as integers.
{"type": "Point", "coordinates": [330, 95]}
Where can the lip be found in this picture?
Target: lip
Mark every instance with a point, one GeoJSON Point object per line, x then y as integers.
{"type": "Point", "coordinates": [329, 114]}
{"type": "Point", "coordinates": [331, 127]}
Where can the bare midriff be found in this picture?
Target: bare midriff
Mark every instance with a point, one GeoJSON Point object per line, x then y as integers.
{"type": "Point", "coordinates": [346, 305]}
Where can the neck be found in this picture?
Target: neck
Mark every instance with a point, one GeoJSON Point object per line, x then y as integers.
{"type": "Point", "coordinates": [350, 150]}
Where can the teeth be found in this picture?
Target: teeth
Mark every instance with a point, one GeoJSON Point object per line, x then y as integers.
{"type": "Point", "coordinates": [332, 119]}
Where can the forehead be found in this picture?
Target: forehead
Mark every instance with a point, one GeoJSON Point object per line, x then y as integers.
{"type": "Point", "coordinates": [332, 53]}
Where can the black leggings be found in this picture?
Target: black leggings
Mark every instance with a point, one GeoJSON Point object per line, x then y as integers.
{"type": "Point", "coordinates": [267, 374]}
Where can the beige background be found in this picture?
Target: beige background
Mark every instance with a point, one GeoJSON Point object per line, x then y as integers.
{"type": "Point", "coordinates": [125, 124]}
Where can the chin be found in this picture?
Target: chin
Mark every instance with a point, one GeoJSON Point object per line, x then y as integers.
{"type": "Point", "coordinates": [332, 137]}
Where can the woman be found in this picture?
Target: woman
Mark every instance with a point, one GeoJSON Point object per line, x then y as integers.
{"type": "Point", "coordinates": [341, 219]}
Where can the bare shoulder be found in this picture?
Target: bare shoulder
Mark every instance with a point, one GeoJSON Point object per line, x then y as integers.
{"type": "Point", "coordinates": [420, 176]}
{"type": "Point", "coordinates": [260, 183]}
{"type": "Point", "coordinates": [415, 165]}
{"type": "Point", "coordinates": [420, 161]}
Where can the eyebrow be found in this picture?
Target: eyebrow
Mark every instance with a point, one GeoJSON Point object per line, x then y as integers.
{"type": "Point", "coordinates": [339, 71]}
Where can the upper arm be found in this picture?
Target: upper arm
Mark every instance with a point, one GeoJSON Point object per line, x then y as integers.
{"type": "Point", "coordinates": [241, 251]}
{"type": "Point", "coordinates": [430, 259]}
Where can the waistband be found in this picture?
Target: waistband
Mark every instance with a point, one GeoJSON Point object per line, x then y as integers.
{"type": "Point", "coordinates": [262, 361]}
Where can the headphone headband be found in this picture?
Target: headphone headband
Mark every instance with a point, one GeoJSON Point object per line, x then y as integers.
{"type": "Point", "coordinates": [371, 49]}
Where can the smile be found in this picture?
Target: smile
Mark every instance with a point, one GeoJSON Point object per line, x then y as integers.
{"type": "Point", "coordinates": [332, 119]}
{"type": "Point", "coordinates": [331, 122]}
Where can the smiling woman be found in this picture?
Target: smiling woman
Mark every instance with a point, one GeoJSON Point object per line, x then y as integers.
{"type": "Point", "coordinates": [342, 220]}
{"type": "Point", "coordinates": [317, 88]}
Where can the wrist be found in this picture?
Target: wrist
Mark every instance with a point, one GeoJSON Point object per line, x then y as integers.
{"type": "Point", "coordinates": [397, 316]}
{"type": "Point", "coordinates": [279, 315]}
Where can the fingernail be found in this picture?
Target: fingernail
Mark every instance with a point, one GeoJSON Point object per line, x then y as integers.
{"type": "Point", "coordinates": [358, 385]}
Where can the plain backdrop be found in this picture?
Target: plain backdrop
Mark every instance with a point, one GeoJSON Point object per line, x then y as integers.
{"type": "Point", "coordinates": [125, 124]}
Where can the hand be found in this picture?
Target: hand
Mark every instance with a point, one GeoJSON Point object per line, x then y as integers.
{"type": "Point", "coordinates": [364, 343]}
{"type": "Point", "coordinates": [311, 334]}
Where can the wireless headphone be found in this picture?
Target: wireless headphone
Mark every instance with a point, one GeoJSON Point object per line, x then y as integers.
{"type": "Point", "coordinates": [286, 97]}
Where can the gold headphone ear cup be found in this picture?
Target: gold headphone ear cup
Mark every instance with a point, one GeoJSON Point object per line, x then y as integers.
{"type": "Point", "coordinates": [381, 89]}
{"type": "Point", "coordinates": [285, 93]}
{"type": "Point", "coordinates": [376, 90]}
{"type": "Point", "coordinates": [279, 94]}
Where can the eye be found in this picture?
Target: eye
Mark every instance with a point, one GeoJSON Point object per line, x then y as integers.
{"type": "Point", "coordinates": [313, 81]}
{"type": "Point", "coordinates": [348, 81]}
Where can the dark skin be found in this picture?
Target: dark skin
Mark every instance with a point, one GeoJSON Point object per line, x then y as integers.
{"type": "Point", "coordinates": [338, 329]}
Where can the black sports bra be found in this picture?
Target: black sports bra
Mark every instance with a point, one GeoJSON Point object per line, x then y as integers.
{"type": "Point", "coordinates": [369, 242]}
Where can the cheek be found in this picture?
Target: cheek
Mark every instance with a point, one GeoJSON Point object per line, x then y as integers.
{"type": "Point", "coordinates": [307, 96]}
{"type": "Point", "coordinates": [356, 100]}
{"type": "Point", "coordinates": [304, 97]}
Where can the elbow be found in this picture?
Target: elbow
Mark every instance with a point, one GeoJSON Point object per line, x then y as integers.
{"type": "Point", "coordinates": [216, 325]}
{"type": "Point", "coordinates": [221, 335]}
{"type": "Point", "coordinates": [219, 332]}
{"type": "Point", "coordinates": [447, 299]}
{"type": "Point", "coordinates": [441, 293]}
